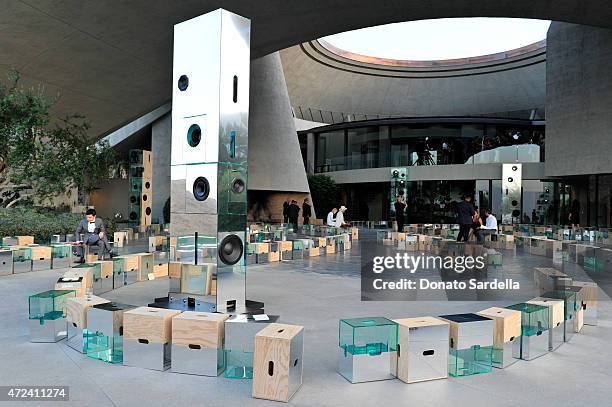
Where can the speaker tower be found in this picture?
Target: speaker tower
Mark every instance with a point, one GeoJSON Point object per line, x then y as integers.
{"type": "Point", "coordinates": [210, 114]}
{"type": "Point", "coordinates": [512, 177]}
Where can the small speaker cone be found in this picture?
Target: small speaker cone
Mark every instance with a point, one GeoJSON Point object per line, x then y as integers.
{"type": "Point", "coordinates": [395, 173]}
{"type": "Point", "coordinates": [194, 135]}
{"type": "Point", "coordinates": [510, 179]}
{"type": "Point", "coordinates": [144, 197]}
{"type": "Point", "coordinates": [516, 213]}
{"type": "Point", "coordinates": [133, 199]}
{"type": "Point", "coordinates": [201, 189]}
{"type": "Point", "coordinates": [183, 83]}
{"type": "Point", "coordinates": [237, 186]}
{"type": "Point", "coordinates": [133, 216]}
{"type": "Point", "coordinates": [148, 211]}
{"type": "Point", "coordinates": [147, 185]}
{"type": "Point", "coordinates": [514, 202]}
{"type": "Point", "coordinates": [230, 249]}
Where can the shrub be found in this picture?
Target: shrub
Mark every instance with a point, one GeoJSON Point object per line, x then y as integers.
{"type": "Point", "coordinates": [325, 194]}
{"type": "Point", "coordinates": [42, 223]}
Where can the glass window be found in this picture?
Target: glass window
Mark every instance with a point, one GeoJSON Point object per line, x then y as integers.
{"type": "Point", "coordinates": [330, 155]}
{"type": "Point", "coordinates": [363, 148]}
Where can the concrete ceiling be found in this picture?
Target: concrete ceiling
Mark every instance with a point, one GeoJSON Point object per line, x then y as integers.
{"type": "Point", "coordinates": [111, 60]}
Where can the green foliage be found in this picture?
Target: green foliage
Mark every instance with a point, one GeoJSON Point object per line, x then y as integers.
{"type": "Point", "coordinates": [42, 224]}
{"type": "Point", "coordinates": [325, 193]}
{"type": "Point", "coordinates": [45, 156]}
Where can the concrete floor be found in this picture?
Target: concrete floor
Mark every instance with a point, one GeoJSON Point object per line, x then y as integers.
{"type": "Point", "coordinates": [314, 293]}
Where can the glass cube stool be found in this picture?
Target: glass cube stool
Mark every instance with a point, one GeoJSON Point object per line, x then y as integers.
{"type": "Point", "coordinates": [76, 318]}
{"type": "Point", "coordinates": [240, 331]}
{"type": "Point", "coordinates": [471, 344]}
{"type": "Point", "coordinates": [569, 313]}
{"type": "Point", "coordinates": [61, 256]}
{"type": "Point", "coordinates": [506, 333]}
{"type": "Point", "coordinates": [557, 323]}
{"type": "Point", "coordinates": [104, 334]}
{"type": "Point", "coordinates": [367, 347]}
{"type": "Point", "coordinates": [48, 315]}
{"type": "Point", "coordinates": [22, 260]}
{"type": "Point", "coordinates": [422, 349]}
{"type": "Point", "coordinates": [535, 331]}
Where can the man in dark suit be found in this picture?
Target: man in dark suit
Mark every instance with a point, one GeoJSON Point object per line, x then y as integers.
{"type": "Point", "coordinates": [465, 218]}
{"type": "Point", "coordinates": [293, 212]}
{"type": "Point", "coordinates": [399, 206]}
{"type": "Point", "coordinates": [306, 211]}
{"type": "Point", "coordinates": [94, 234]}
{"type": "Point", "coordinates": [286, 210]}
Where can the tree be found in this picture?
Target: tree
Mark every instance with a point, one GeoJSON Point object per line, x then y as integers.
{"type": "Point", "coordinates": [43, 157]}
{"type": "Point", "coordinates": [324, 192]}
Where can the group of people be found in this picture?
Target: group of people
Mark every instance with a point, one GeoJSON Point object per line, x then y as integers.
{"type": "Point", "coordinates": [471, 224]}
{"type": "Point", "coordinates": [335, 217]}
{"type": "Point", "coordinates": [291, 212]}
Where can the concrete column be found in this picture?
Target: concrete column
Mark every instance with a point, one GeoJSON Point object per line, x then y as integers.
{"type": "Point", "coordinates": [161, 139]}
{"type": "Point", "coordinates": [275, 159]}
{"type": "Point", "coordinates": [310, 153]}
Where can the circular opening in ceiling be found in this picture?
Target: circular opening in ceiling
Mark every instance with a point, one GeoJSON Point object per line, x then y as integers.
{"type": "Point", "coordinates": [445, 39]}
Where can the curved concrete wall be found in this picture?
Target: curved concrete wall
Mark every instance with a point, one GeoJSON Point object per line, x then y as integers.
{"type": "Point", "coordinates": [112, 61]}
{"type": "Point", "coordinates": [579, 100]}
{"type": "Point", "coordinates": [327, 86]}
{"type": "Point", "coordinates": [275, 159]}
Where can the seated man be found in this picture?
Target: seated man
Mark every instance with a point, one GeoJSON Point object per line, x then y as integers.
{"type": "Point", "coordinates": [94, 234]}
{"type": "Point", "coordinates": [489, 228]}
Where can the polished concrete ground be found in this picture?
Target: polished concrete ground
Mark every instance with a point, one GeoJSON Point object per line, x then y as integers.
{"type": "Point", "coordinates": [314, 293]}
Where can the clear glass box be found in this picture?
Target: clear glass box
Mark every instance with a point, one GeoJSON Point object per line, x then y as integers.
{"type": "Point", "coordinates": [370, 336]}
{"type": "Point", "coordinates": [49, 305]}
{"type": "Point", "coordinates": [535, 319]}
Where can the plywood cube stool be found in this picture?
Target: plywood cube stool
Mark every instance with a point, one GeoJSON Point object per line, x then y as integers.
{"type": "Point", "coordinates": [557, 320]}
{"type": "Point", "coordinates": [145, 266]}
{"type": "Point", "coordinates": [589, 293]}
{"type": "Point", "coordinates": [506, 331]}
{"type": "Point", "coordinates": [76, 319]}
{"type": "Point", "coordinates": [147, 337]}
{"type": "Point", "coordinates": [422, 349]}
{"type": "Point", "coordinates": [197, 343]}
{"type": "Point", "coordinates": [277, 362]}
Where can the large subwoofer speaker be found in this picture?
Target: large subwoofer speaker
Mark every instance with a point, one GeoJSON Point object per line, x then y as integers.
{"type": "Point", "coordinates": [230, 249]}
{"type": "Point", "coordinates": [201, 189]}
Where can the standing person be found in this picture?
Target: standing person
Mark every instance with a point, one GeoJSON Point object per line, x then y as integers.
{"type": "Point", "coordinates": [465, 213]}
{"type": "Point", "coordinates": [399, 205]}
{"type": "Point", "coordinates": [306, 211]}
{"type": "Point", "coordinates": [340, 217]}
{"type": "Point", "coordinates": [331, 217]}
{"type": "Point", "coordinates": [574, 213]}
{"type": "Point", "coordinates": [476, 224]}
{"type": "Point", "coordinates": [94, 234]}
{"type": "Point", "coordinates": [286, 210]}
{"type": "Point", "coordinates": [293, 212]}
{"type": "Point", "coordinates": [534, 216]}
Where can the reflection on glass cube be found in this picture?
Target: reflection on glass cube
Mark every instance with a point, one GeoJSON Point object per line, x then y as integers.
{"type": "Point", "coordinates": [534, 318]}
{"type": "Point", "coordinates": [475, 360]}
{"type": "Point", "coordinates": [49, 305]}
{"type": "Point", "coordinates": [238, 364]}
{"type": "Point", "coordinates": [60, 251]}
